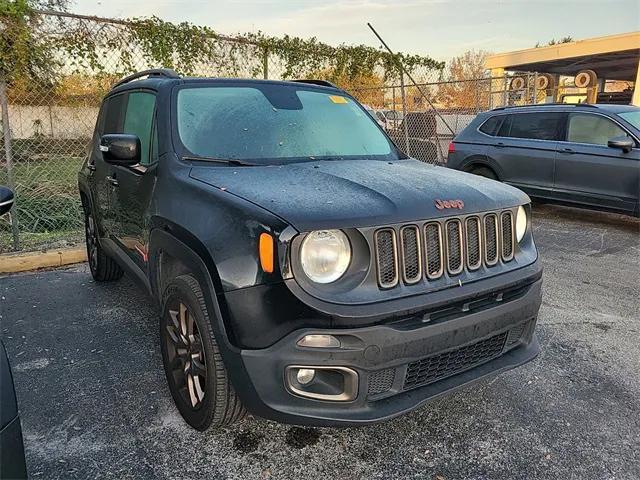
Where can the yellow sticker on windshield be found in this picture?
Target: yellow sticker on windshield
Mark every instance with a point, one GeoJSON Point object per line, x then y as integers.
{"type": "Point", "coordinates": [337, 99]}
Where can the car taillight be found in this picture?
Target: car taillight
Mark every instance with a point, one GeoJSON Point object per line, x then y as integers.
{"type": "Point", "coordinates": [452, 147]}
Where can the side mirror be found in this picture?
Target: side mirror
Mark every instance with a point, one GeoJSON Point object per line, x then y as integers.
{"type": "Point", "coordinates": [624, 143]}
{"type": "Point", "coordinates": [6, 200]}
{"type": "Point", "coordinates": [120, 149]}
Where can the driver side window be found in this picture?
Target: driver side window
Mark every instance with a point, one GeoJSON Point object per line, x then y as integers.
{"type": "Point", "coordinates": [138, 120]}
{"type": "Point", "coordinates": [592, 129]}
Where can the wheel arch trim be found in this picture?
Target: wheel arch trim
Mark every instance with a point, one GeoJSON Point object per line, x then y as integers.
{"type": "Point", "coordinates": [88, 202]}
{"type": "Point", "coordinates": [182, 246]}
{"type": "Point", "coordinates": [166, 240]}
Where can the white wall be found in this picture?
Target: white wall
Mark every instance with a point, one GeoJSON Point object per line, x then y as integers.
{"type": "Point", "coordinates": [56, 122]}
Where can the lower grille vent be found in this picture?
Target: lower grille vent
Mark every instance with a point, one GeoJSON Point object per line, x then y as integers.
{"type": "Point", "coordinates": [434, 368]}
{"type": "Point", "coordinates": [516, 332]}
{"type": "Point", "coordinates": [381, 381]}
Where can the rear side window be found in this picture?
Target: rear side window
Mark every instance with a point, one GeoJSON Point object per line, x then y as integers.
{"type": "Point", "coordinates": [536, 126]}
{"type": "Point", "coordinates": [491, 126]}
{"type": "Point", "coordinates": [592, 129]}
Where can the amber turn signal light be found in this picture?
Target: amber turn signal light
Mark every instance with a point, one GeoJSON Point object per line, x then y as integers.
{"type": "Point", "coordinates": [266, 252]}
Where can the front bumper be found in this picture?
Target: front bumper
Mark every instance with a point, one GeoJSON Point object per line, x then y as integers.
{"type": "Point", "coordinates": [400, 365]}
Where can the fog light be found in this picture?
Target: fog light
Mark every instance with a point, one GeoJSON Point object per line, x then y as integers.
{"type": "Point", "coordinates": [305, 375]}
{"type": "Point", "coordinates": [329, 383]}
{"type": "Point", "coordinates": [319, 341]}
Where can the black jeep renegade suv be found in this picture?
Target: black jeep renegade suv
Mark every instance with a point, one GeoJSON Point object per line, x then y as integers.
{"type": "Point", "coordinates": [306, 270]}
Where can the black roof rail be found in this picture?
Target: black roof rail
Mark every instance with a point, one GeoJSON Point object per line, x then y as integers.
{"type": "Point", "coordinates": [322, 83]}
{"type": "Point", "coordinates": [154, 72]}
{"type": "Point", "coordinates": [556, 104]}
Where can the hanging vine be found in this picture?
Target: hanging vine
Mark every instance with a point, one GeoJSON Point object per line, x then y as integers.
{"type": "Point", "coordinates": [190, 49]}
{"type": "Point", "coordinates": [40, 49]}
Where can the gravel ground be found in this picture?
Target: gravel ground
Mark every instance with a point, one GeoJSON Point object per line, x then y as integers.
{"type": "Point", "coordinates": [94, 403]}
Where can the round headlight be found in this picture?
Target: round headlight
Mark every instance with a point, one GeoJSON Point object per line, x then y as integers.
{"type": "Point", "coordinates": [325, 255]}
{"type": "Point", "coordinates": [521, 223]}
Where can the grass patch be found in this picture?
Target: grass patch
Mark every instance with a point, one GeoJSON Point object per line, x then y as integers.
{"type": "Point", "coordinates": [32, 242]}
{"type": "Point", "coordinates": [47, 201]}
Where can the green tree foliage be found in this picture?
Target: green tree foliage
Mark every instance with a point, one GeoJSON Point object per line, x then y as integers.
{"type": "Point", "coordinates": [23, 54]}
{"type": "Point", "coordinates": [39, 51]}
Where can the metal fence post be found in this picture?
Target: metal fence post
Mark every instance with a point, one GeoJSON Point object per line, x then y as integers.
{"type": "Point", "coordinates": [395, 113]}
{"type": "Point", "coordinates": [506, 91]}
{"type": "Point", "coordinates": [4, 103]}
{"type": "Point", "coordinates": [404, 113]}
{"type": "Point", "coordinates": [265, 63]}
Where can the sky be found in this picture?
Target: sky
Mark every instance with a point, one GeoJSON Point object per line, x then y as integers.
{"type": "Point", "coordinates": [438, 28]}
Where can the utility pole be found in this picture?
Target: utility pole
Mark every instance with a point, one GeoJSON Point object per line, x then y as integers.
{"type": "Point", "coordinates": [415, 84]}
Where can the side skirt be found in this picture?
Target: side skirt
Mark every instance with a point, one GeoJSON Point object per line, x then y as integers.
{"type": "Point", "coordinates": [114, 251]}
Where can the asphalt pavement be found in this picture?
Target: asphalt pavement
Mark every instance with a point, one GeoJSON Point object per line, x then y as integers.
{"type": "Point", "coordinates": [95, 404]}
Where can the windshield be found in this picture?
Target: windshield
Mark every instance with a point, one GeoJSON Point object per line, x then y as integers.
{"type": "Point", "coordinates": [632, 117]}
{"type": "Point", "coordinates": [276, 122]}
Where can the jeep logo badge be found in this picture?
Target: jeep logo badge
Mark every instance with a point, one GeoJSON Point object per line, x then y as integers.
{"type": "Point", "coordinates": [442, 204]}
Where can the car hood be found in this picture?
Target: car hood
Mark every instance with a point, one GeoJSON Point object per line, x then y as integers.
{"type": "Point", "coordinates": [358, 193]}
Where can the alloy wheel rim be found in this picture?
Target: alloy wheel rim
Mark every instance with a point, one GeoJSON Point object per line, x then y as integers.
{"type": "Point", "coordinates": [92, 243]}
{"type": "Point", "coordinates": [186, 355]}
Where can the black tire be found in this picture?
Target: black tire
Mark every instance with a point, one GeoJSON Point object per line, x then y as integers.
{"type": "Point", "coordinates": [103, 268]}
{"type": "Point", "coordinates": [207, 398]}
{"type": "Point", "coordinates": [484, 172]}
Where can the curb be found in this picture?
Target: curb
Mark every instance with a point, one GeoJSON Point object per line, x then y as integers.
{"type": "Point", "coordinates": [22, 262]}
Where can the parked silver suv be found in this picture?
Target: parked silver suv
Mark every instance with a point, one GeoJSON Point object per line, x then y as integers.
{"type": "Point", "coordinates": [584, 155]}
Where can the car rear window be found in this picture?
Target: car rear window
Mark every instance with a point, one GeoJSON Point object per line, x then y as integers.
{"type": "Point", "coordinates": [536, 126]}
{"type": "Point", "coordinates": [491, 126]}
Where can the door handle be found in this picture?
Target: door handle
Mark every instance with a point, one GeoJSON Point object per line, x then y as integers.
{"type": "Point", "coordinates": [499, 144]}
{"type": "Point", "coordinates": [112, 181]}
{"type": "Point", "coordinates": [567, 150]}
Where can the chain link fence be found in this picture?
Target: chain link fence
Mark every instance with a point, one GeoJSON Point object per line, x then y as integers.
{"type": "Point", "coordinates": [46, 128]}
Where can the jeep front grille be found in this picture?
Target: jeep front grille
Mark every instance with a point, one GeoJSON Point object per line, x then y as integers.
{"type": "Point", "coordinates": [453, 244]}
{"type": "Point", "coordinates": [491, 239]}
{"type": "Point", "coordinates": [387, 256]}
{"type": "Point", "coordinates": [507, 236]}
{"type": "Point", "coordinates": [474, 247]}
{"type": "Point", "coordinates": [434, 249]}
{"type": "Point", "coordinates": [411, 253]}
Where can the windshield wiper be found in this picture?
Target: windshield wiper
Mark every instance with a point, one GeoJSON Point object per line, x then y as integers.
{"type": "Point", "coordinates": [227, 161]}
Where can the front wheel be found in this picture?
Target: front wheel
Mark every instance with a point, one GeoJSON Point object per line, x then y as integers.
{"type": "Point", "coordinates": [197, 377]}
